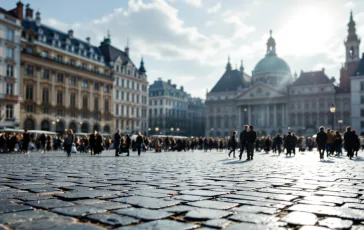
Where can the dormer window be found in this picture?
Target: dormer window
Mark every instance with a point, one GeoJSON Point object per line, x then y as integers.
{"type": "Point", "coordinates": [81, 46]}
{"type": "Point", "coordinates": [59, 44]}
{"type": "Point", "coordinates": [40, 31]}
{"type": "Point", "coordinates": [72, 48]}
{"type": "Point", "coordinates": [91, 50]}
{"type": "Point", "coordinates": [68, 41]}
{"type": "Point", "coordinates": [44, 38]}
{"type": "Point", "coordinates": [56, 36]}
{"type": "Point", "coordinates": [101, 59]}
{"type": "Point", "coordinates": [95, 57]}
{"type": "Point", "coordinates": [84, 53]}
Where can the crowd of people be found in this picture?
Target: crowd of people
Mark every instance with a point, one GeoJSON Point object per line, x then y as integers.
{"type": "Point", "coordinates": [329, 141]}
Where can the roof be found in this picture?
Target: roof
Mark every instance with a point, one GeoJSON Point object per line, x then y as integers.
{"type": "Point", "coordinates": [159, 84]}
{"type": "Point", "coordinates": [312, 78]}
{"type": "Point", "coordinates": [272, 64]}
{"type": "Point", "coordinates": [360, 69]}
{"type": "Point", "coordinates": [50, 32]}
{"type": "Point", "coordinates": [111, 53]}
{"type": "Point", "coordinates": [8, 12]}
{"type": "Point", "coordinates": [231, 80]}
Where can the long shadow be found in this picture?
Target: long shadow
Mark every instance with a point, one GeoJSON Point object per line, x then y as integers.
{"type": "Point", "coordinates": [327, 161]}
{"type": "Point", "coordinates": [236, 162]}
{"type": "Point", "coordinates": [358, 159]}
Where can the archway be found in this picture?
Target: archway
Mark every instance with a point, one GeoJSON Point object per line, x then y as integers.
{"type": "Point", "coordinates": [73, 126]}
{"type": "Point", "coordinates": [29, 124]}
{"type": "Point", "coordinates": [60, 126]}
{"type": "Point", "coordinates": [106, 129]}
{"type": "Point", "coordinates": [96, 127]}
{"type": "Point", "coordinates": [45, 125]}
{"type": "Point", "coordinates": [84, 128]}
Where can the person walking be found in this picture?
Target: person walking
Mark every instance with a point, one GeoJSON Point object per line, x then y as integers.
{"type": "Point", "coordinates": [26, 140]}
{"type": "Point", "coordinates": [232, 144]}
{"type": "Point", "coordinates": [139, 142]}
{"type": "Point", "coordinates": [330, 142]}
{"type": "Point", "coordinates": [69, 141]}
{"type": "Point", "coordinates": [99, 145]}
{"type": "Point", "coordinates": [338, 142]}
{"type": "Point", "coordinates": [117, 142]}
{"type": "Point", "coordinates": [289, 143]}
{"type": "Point", "coordinates": [127, 141]}
{"type": "Point", "coordinates": [43, 140]}
{"type": "Point", "coordinates": [92, 142]}
{"type": "Point", "coordinates": [242, 139]}
{"type": "Point", "coordinates": [349, 138]}
{"type": "Point", "coordinates": [321, 140]}
{"type": "Point", "coordinates": [278, 140]}
{"type": "Point", "coordinates": [251, 138]}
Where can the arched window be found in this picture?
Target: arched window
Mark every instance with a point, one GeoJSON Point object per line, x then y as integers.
{"type": "Point", "coordinates": [45, 125]}
{"type": "Point", "coordinates": [84, 102]}
{"type": "Point", "coordinates": [84, 128]}
{"type": "Point", "coordinates": [29, 124]}
{"type": "Point", "coordinates": [96, 104]}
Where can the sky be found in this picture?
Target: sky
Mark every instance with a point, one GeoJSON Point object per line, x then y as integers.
{"type": "Point", "coordinates": [189, 41]}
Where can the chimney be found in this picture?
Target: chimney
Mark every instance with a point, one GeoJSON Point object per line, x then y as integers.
{"type": "Point", "coordinates": [70, 33]}
{"type": "Point", "coordinates": [19, 10]}
{"type": "Point", "coordinates": [127, 51]}
{"type": "Point", "coordinates": [169, 81]}
{"type": "Point", "coordinates": [181, 88]}
{"type": "Point", "coordinates": [88, 40]}
{"type": "Point", "coordinates": [323, 70]}
{"type": "Point", "coordinates": [37, 18]}
{"type": "Point", "coordinates": [28, 12]}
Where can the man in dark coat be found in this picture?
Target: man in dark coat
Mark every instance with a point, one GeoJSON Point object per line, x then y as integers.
{"type": "Point", "coordinates": [278, 141]}
{"type": "Point", "coordinates": [139, 142]}
{"type": "Point", "coordinates": [117, 141]}
{"type": "Point", "coordinates": [250, 139]}
{"type": "Point", "coordinates": [43, 141]}
{"type": "Point", "coordinates": [26, 140]}
{"type": "Point", "coordinates": [92, 142]}
{"type": "Point", "coordinates": [128, 141]}
{"type": "Point", "coordinates": [242, 139]}
{"type": "Point", "coordinates": [290, 143]}
{"type": "Point", "coordinates": [321, 140]}
{"type": "Point", "coordinates": [350, 139]}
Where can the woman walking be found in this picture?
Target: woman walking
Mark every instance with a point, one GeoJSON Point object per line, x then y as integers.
{"type": "Point", "coordinates": [98, 144]}
{"type": "Point", "coordinates": [68, 142]}
{"type": "Point", "coordinates": [232, 144]}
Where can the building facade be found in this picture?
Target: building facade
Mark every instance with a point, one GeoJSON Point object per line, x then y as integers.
{"type": "Point", "coordinates": [196, 117]}
{"type": "Point", "coordinates": [66, 82]}
{"type": "Point", "coordinates": [357, 98]}
{"type": "Point", "coordinates": [10, 35]}
{"type": "Point", "coordinates": [168, 108]}
{"type": "Point", "coordinates": [275, 101]}
{"type": "Point", "coordinates": [130, 89]}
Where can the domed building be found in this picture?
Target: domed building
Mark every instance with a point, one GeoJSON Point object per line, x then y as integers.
{"type": "Point", "coordinates": [272, 100]}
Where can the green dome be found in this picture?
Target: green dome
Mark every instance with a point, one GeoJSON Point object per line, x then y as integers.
{"type": "Point", "coordinates": [271, 64]}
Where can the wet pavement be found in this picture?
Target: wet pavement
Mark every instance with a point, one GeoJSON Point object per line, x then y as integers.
{"type": "Point", "coordinates": [180, 190]}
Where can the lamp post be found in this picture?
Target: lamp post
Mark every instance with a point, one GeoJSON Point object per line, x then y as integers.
{"type": "Point", "coordinates": [332, 111]}
{"type": "Point", "coordinates": [177, 130]}
{"type": "Point", "coordinates": [156, 130]}
{"type": "Point", "coordinates": [149, 129]}
{"type": "Point", "coordinates": [172, 130]}
{"type": "Point", "coordinates": [340, 122]}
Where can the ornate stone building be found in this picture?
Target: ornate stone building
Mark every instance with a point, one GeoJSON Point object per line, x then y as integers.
{"type": "Point", "coordinates": [66, 82]}
{"type": "Point", "coordinates": [130, 89]}
{"type": "Point", "coordinates": [10, 35]}
{"type": "Point", "coordinates": [168, 108]}
{"type": "Point", "coordinates": [274, 101]}
{"type": "Point", "coordinates": [196, 117]}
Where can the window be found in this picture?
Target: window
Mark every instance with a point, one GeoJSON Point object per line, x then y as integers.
{"type": "Point", "coordinates": [45, 95]}
{"type": "Point", "coordinates": [73, 100]}
{"type": "Point", "coordinates": [84, 66]}
{"type": "Point", "coordinates": [10, 35]}
{"type": "Point", "coordinates": [29, 69]}
{"type": "Point", "coordinates": [29, 92]}
{"type": "Point", "coordinates": [117, 95]}
{"type": "Point", "coordinates": [72, 62]}
{"type": "Point", "coordinates": [60, 112]}
{"type": "Point", "coordinates": [45, 74]}
{"type": "Point", "coordinates": [362, 112]}
{"type": "Point", "coordinates": [60, 77]}
{"type": "Point", "coordinates": [362, 86]}
{"type": "Point", "coordinates": [161, 102]}
{"type": "Point", "coordinates": [122, 96]}
{"type": "Point", "coordinates": [132, 111]}
{"type": "Point", "coordinates": [117, 81]}
{"type": "Point", "coordinates": [362, 124]}
{"type": "Point", "coordinates": [122, 110]}
{"type": "Point", "coordinates": [59, 98]}
{"type": "Point", "coordinates": [106, 105]}
{"type": "Point", "coordinates": [59, 58]}
{"type": "Point", "coordinates": [117, 109]}
{"type": "Point", "coordinates": [44, 54]}
{"type": "Point", "coordinates": [9, 71]}
{"type": "Point", "coordinates": [122, 83]}
{"type": "Point", "coordinates": [45, 110]}
{"type": "Point", "coordinates": [132, 97]}
{"type": "Point", "coordinates": [84, 84]}
{"type": "Point", "coordinates": [73, 80]}
{"type": "Point", "coordinates": [137, 99]}
{"type": "Point", "coordinates": [84, 102]}
{"type": "Point", "coordinates": [9, 112]}
{"type": "Point", "coordinates": [9, 89]}
{"type": "Point", "coordinates": [127, 84]}
{"type": "Point", "coordinates": [96, 104]}
{"type": "Point", "coordinates": [127, 96]}
{"type": "Point", "coordinates": [29, 109]}
{"type": "Point", "coordinates": [132, 85]}
{"type": "Point", "coordinates": [96, 70]}
{"type": "Point", "coordinates": [9, 52]}
{"type": "Point", "coordinates": [97, 86]}
{"type": "Point", "coordinates": [362, 99]}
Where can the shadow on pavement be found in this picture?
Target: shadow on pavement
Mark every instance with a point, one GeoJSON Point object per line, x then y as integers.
{"type": "Point", "coordinates": [235, 162]}
{"type": "Point", "coordinates": [358, 159]}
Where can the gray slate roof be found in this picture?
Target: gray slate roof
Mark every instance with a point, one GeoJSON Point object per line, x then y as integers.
{"type": "Point", "coordinates": [312, 78]}
{"type": "Point", "coordinates": [111, 53]}
{"type": "Point", "coordinates": [231, 81]}
{"type": "Point", "coordinates": [360, 69]}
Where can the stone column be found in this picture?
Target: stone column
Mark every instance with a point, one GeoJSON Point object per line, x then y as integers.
{"type": "Point", "coordinates": [268, 120]}
{"type": "Point", "coordinates": [275, 116]}
{"type": "Point", "coordinates": [67, 95]}
{"type": "Point", "coordinates": [240, 108]}
{"type": "Point", "coordinates": [249, 115]}
{"type": "Point", "coordinates": [284, 117]}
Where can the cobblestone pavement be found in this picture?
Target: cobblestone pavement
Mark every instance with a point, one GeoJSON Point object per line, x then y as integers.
{"type": "Point", "coordinates": [182, 190]}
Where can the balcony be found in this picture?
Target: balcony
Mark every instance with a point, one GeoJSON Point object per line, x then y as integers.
{"type": "Point", "coordinates": [68, 64]}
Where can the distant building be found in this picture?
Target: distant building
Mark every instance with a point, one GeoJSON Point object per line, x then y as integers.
{"type": "Point", "coordinates": [357, 98]}
{"type": "Point", "coordinates": [196, 117]}
{"type": "Point", "coordinates": [66, 83]}
{"type": "Point", "coordinates": [130, 89]}
{"type": "Point", "coordinates": [10, 35]}
{"type": "Point", "coordinates": [168, 108]}
{"type": "Point", "coordinates": [273, 101]}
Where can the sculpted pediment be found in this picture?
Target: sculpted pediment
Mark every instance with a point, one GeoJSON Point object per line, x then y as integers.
{"type": "Point", "coordinates": [260, 91]}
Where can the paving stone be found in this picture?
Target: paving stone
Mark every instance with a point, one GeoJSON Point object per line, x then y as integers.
{"type": "Point", "coordinates": [78, 211]}
{"type": "Point", "coordinates": [46, 204]}
{"type": "Point", "coordinates": [255, 209]}
{"type": "Point", "coordinates": [248, 226]}
{"type": "Point", "coordinates": [179, 209]}
{"type": "Point", "coordinates": [191, 198]}
{"type": "Point", "coordinates": [109, 205]}
{"type": "Point", "coordinates": [213, 204]}
{"type": "Point", "coordinates": [202, 193]}
{"type": "Point", "coordinates": [336, 223]}
{"type": "Point", "coordinates": [88, 201]}
{"type": "Point", "coordinates": [25, 216]}
{"type": "Point", "coordinates": [147, 202]}
{"type": "Point", "coordinates": [14, 208]}
{"type": "Point", "coordinates": [162, 224]}
{"type": "Point", "coordinates": [253, 218]}
{"type": "Point", "coordinates": [112, 219]}
{"type": "Point", "coordinates": [354, 205]}
{"type": "Point", "coordinates": [300, 218]}
{"type": "Point", "coordinates": [206, 214]}
{"type": "Point", "coordinates": [144, 214]}
{"type": "Point", "coordinates": [48, 223]}
{"type": "Point", "coordinates": [78, 227]}
{"type": "Point", "coordinates": [217, 223]}
{"type": "Point", "coordinates": [313, 228]}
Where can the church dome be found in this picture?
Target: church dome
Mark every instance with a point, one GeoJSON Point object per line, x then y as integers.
{"type": "Point", "coordinates": [271, 64]}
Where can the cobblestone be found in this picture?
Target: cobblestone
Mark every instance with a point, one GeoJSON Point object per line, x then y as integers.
{"type": "Point", "coordinates": [180, 190]}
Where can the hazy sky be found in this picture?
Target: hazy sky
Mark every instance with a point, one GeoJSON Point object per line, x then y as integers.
{"type": "Point", "coordinates": [189, 41]}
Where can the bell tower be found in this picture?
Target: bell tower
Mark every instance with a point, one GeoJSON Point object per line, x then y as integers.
{"type": "Point", "coordinates": [352, 51]}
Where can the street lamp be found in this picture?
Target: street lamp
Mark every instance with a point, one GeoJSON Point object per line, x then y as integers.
{"type": "Point", "coordinates": [340, 122]}
{"type": "Point", "coordinates": [177, 130]}
{"type": "Point", "coordinates": [156, 130]}
{"type": "Point", "coordinates": [332, 111]}
{"type": "Point", "coordinates": [172, 130]}
{"type": "Point", "coordinates": [149, 129]}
